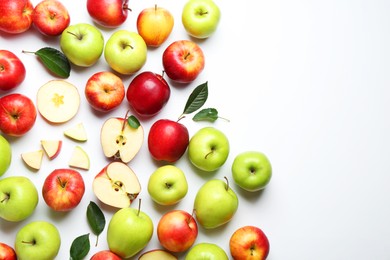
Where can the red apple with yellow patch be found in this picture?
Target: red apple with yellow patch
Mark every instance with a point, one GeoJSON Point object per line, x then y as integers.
{"type": "Point", "coordinates": [108, 13]}
{"type": "Point", "coordinates": [15, 16]}
{"type": "Point", "coordinates": [105, 255]}
{"type": "Point", "coordinates": [7, 252]}
{"type": "Point", "coordinates": [50, 17]}
{"type": "Point", "coordinates": [12, 70]}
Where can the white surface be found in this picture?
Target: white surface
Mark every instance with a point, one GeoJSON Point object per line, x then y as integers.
{"type": "Point", "coordinates": [305, 82]}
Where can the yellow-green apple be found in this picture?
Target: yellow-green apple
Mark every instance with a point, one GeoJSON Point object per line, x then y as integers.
{"type": "Point", "coordinates": [82, 44]}
{"type": "Point", "coordinates": [15, 15]}
{"type": "Point", "coordinates": [183, 61]}
{"type": "Point", "coordinates": [215, 203]}
{"type": "Point", "coordinates": [79, 159]}
{"type": "Point", "coordinates": [138, 227]}
{"type": "Point", "coordinates": [12, 70]}
{"type": "Point", "coordinates": [37, 240]}
{"type": "Point", "coordinates": [200, 18]}
{"type": "Point", "coordinates": [148, 93]}
{"type": "Point", "coordinates": [125, 52]}
{"type": "Point", "coordinates": [167, 185]}
{"type": "Point", "coordinates": [63, 189]}
{"type": "Point", "coordinates": [208, 149]}
{"type": "Point", "coordinates": [104, 91]}
{"type": "Point", "coordinates": [177, 230]}
{"type": "Point", "coordinates": [18, 198]}
{"type": "Point", "coordinates": [17, 114]}
{"type": "Point", "coordinates": [52, 148]}
{"type": "Point", "coordinates": [251, 170]}
{"type": "Point", "coordinates": [105, 255]}
{"type": "Point", "coordinates": [33, 159]}
{"type": "Point", "coordinates": [108, 13]}
{"type": "Point", "coordinates": [167, 140]}
{"type": "Point", "coordinates": [76, 132]}
{"type": "Point", "coordinates": [7, 252]}
{"type": "Point", "coordinates": [50, 17]}
{"type": "Point", "coordinates": [205, 250]}
{"type": "Point", "coordinates": [155, 24]}
{"type": "Point", "coordinates": [6, 155]}
{"type": "Point", "coordinates": [116, 185]}
{"type": "Point", "coordinates": [159, 254]}
{"type": "Point", "coordinates": [249, 242]}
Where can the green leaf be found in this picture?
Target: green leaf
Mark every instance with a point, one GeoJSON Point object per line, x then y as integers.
{"type": "Point", "coordinates": [197, 98]}
{"type": "Point", "coordinates": [80, 247]}
{"type": "Point", "coordinates": [55, 61]}
{"type": "Point", "coordinates": [133, 122]}
{"type": "Point", "coordinates": [96, 219]}
{"type": "Point", "coordinates": [207, 114]}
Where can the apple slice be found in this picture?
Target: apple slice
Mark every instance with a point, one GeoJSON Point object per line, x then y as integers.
{"type": "Point", "coordinates": [159, 254]}
{"type": "Point", "coordinates": [116, 185]}
{"type": "Point", "coordinates": [58, 101]}
{"type": "Point", "coordinates": [79, 158]}
{"type": "Point", "coordinates": [51, 147]}
{"type": "Point", "coordinates": [33, 159]}
{"type": "Point", "coordinates": [119, 140]}
{"type": "Point", "coordinates": [77, 133]}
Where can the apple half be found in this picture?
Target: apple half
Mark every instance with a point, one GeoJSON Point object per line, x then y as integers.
{"type": "Point", "coordinates": [159, 254]}
{"type": "Point", "coordinates": [79, 159]}
{"type": "Point", "coordinates": [116, 185]}
{"type": "Point", "coordinates": [51, 147]}
{"type": "Point", "coordinates": [77, 132]}
{"type": "Point", "coordinates": [33, 159]}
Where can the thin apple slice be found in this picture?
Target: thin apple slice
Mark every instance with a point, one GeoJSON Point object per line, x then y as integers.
{"type": "Point", "coordinates": [159, 254]}
{"type": "Point", "coordinates": [51, 147]}
{"type": "Point", "coordinates": [33, 159]}
{"type": "Point", "coordinates": [58, 101]}
{"type": "Point", "coordinates": [116, 185]}
{"type": "Point", "coordinates": [79, 158]}
{"type": "Point", "coordinates": [77, 132]}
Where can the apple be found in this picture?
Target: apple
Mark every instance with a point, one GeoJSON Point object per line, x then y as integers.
{"type": "Point", "coordinates": [148, 93]}
{"type": "Point", "coordinates": [167, 140]}
{"type": "Point", "coordinates": [33, 159]}
{"type": "Point", "coordinates": [159, 254]}
{"type": "Point", "coordinates": [183, 61]}
{"type": "Point", "coordinates": [108, 13]}
{"type": "Point", "coordinates": [18, 198]}
{"type": "Point", "coordinates": [125, 52]}
{"type": "Point", "coordinates": [177, 230]}
{"type": "Point", "coordinates": [7, 252]}
{"type": "Point", "coordinates": [18, 114]}
{"type": "Point", "coordinates": [12, 70]}
{"type": "Point", "coordinates": [215, 203]}
{"type": "Point", "coordinates": [104, 91]}
{"type": "Point", "coordinates": [167, 185]}
{"type": "Point", "coordinates": [50, 17]}
{"type": "Point", "coordinates": [116, 185]}
{"type": "Point", "coordinates": [37, 240]}
{"type": "Point", "coordinates": [79, 158]}
{"type": "Point", "coordinates": [63, 189]}
{"type": "Point", "coordinates": [76, 132]}
{"type": "Point", "coordinates": [205, 250]}
{"type": "Point", "coordinates": [208, 149]}
{"type": "Point", "coordinates": [52, 148]}
{"type": "Point", "coordinates": [105, 255]}
{"type": "Point", "coordinates": [200, 18]}
{"type": "Point", "coordinates": [82, 44]}
{"type": "Point", "coordinates": [15, 15]}
{"type": "Point", "coordinates": [6, 155]}
{"type": "Point", "coordinates": [155, 24]}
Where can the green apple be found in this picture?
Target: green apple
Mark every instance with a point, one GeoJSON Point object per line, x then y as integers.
{"type": "Point", "coordinates": [6, 155]}
{"type": "Point", "coordinates": [167, 185]}
{"type": "Point", "coordinates": [129, 231]}
{"type": "Point", "coordinates": [200, 18]}
{"type": "Point", "coordinates": [18, 198]}
{"type": "Point", "coordinates": [206, 251]}
{"type": "Point", "coordinates": [82, 44]}
{"type": "Point", "coordinates": [125, 52]}
{"type": "Point", "coordinates": [208, 149]}
{"type": "Point", "coordinates": [215, 203]}
{"type": "Point", "coordinates": [37, 240]}
{"type": "Point", "coordinates": [251, 170]}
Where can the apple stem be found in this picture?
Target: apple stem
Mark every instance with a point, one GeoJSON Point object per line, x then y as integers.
{"type": "Point", "coordinates": [188, 54]}
{"type": "Point", "coordinates": [28, 52]}
{"type": "Point", "coordinates": [211, 152]}
{"type": "Point", "coordinates": [33, 242]}
{"type": "Point", "coordinates": [125, 121]}
{"type": "Point", "coordinates": [97, 239]}
{"type": "Point", "coordinates": [79, 37]}
{"type": "Point", "coordinates": [62, 184]}
{"type": "Point", "coordinates": [227, 183]}
{"type": "Point", "coordinates": [6, 197]}
{"type": "Point", "coordinates": [139, 207]}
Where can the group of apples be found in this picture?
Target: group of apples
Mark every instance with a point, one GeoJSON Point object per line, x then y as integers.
{"type": "Point", "coordinates": [121, 138]}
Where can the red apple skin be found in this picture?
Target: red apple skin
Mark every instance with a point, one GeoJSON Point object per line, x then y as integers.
{"type": "Point", "coordinates": [50, 17]}
{"type": "Point", "coordinates": [177, 231]}
{"type": "Point", "coordinates": [12, 70]}
{"type": "Point", "coordinates": [249, 242]}
{"type": "Point", "coordinates": [148, 93]}
{"type": "Point", "coordinates": [7, 252]}
{"type": "Point", "coordinates": [108, 13]}
{"type": "Point", "coordinates": [17, 114]}
{"type": "Point", "coordinates": [63, 189]}
{"type": "Point", "coordinates": [15, 16]}
{"type": "Point", "coordinates": [167, 140]}
{"type": "Point", "coordinates": [183, 61]}
{"type": "Point", "coordinates": [105, 255]}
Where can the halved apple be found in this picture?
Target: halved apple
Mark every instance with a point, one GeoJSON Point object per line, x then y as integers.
{"type": "Point", "coordinates": [33, 159]}
{"type": "Point", "coordinates": [77, 132]}
{"type": "Point", "coordinates": [119, 140]}
{"type": "Point", "coordinates": [51, 147]}
{"type": "Point", "coordinates": [159, 254]}
{"type": "Point", "coordinates": [116, 185]}
{"type": "Point", "coordinates": [79, 158]}
{"type": "Point", "coordinates": [58, 101]}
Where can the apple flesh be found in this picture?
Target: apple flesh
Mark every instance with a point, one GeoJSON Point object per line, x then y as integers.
{"type": "Point", "coordinates": [50, 17]}
{"type": "Point", "coordinates": [6, 155]}
{"type": "Point", "coordinates": [105, 255]}
{"type": "Point", "coordinates": [108, 13]}
{"type": "Point", "coordinates": [12, 70]}
{"type": "Point", "coordinates": [33, 159]}
{"type": "Point", "coordinates": [79, 159]}
{"type": "Point", "coordinates": [15, 16]}
{"type": "Point", "coordinates": [77, 132]}
{"type": "Point", "coordinates": [52, 148]}
{"type": "Point", "coordinates": [159, 254]}
{"type": "Point", "coordinates": [7, 252]}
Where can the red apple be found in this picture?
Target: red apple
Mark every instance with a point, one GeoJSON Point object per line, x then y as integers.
{"type": "Point", "coordinates": [177, 230]}
{"type": "Point", "coordinates": [12, 70]}
{"type": "Point", "coordinates": [108, 13]}
{"type": "Point", "coordinates": [249, 242]}
{"type": "Point", "coordinates": [183, 61]}
{"type": "Point", "coordinates": [17, 114]}
{"type": "Point", "coordinates": [105, 255]}
{"type": "Point", "coordinates": [15, 15]}
{"type": "Point", "coordinates": [63, 189]}
{"type": "Point", "coordinates": [104, 91]}
{"type": "Point", "coordinates": [50, 17]}
{"type": "Point", "coordinates": [167, 140]}
{"type": "Point", "coordinates": [148, 93]}
{"type": "Point", "coordinates": [7, 252]}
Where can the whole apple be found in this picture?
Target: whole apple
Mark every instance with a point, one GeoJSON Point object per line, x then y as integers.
{"type": "Point", "coordinates": [204, 250]}
{"type": "Point", "coordinates": [105, 255]}
{"type": "Point", "coordinates": [7, 252]}
{"type": "Point", "coordinates": [15, 15]}
{"type": "Point", "coordinates": [108, 13]}
{"type": "Point", "coordinates": [50, 17]}
{"type": "Point", "coordinates": [12, 70]}
{"type": "Point", "coordinates": [6, 155]}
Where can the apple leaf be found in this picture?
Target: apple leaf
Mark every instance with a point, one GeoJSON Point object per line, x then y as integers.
{"type": "Point", "coordinates": [80, 247]}
{"type": "Point", "coordinates": [133, 122]}
{"type": "Point", "coordinates": [196, 99]}
{"type": "Point", "coordinates": [207, 114]}
{"type": "Point", "coordinates": [96, 219]}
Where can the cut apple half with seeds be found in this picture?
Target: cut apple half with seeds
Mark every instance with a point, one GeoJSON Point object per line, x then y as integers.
{"type": "Point", "coordinates": [33, 159]}
{"type": "Point", "coordinates": [51, 147]}
{"type": "Point", "coordinates": [116, 185]}
{"type": "Point", "coordinates": [159, 254]}
{"type": "Point", "coordinates": [79, 158]}
{"type": "Point", "coordinates": [77, 132]}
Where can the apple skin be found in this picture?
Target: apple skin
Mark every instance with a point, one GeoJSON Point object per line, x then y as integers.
{"type": "Point", "coordinates": [108, 13]}
{"type": "Point", "coordinates": [249, 242]}
{"type": "Point", "coordinates": [17, 114]}
{"type": "Point", "coordinates": [12, 70]}
{"type": "Point", "coordinates": [105, 255]}
{"type": "Point", "coordinates": [204, 250]}
{"type": "Point", "coordinates": [6, 155]}
{"type": "Point", "coordinates": [167, 140]}
{"type": "Point", "coordinates": [183, 61]}
{"type": "Point", "coordinates": [148, 93]}
{"type": "Point", "coordinates": [50, 17]}
{"type": "Point", "coordinates": [7, 252]}
{"type": "Point", "coordinates": [63, 189]}
{"type": "Point", "coordinates": [15, 16]}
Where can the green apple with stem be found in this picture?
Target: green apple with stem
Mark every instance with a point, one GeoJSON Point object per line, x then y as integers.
{"type": "Point", "coordinates": [6, 155]}
{"type": "Point", "coordinates": [207, 251]}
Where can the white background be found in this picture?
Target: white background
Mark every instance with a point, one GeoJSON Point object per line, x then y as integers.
{"type": "Point", "coordinates": [305, 82]}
